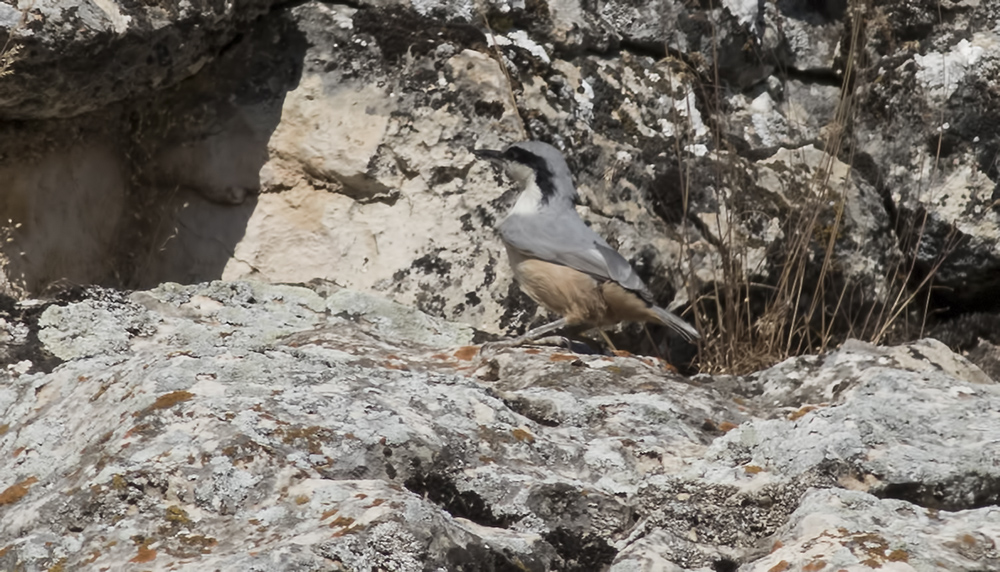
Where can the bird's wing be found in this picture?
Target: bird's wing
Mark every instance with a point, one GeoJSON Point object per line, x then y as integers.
{"type": "Point", "coordinates": [566, 240]}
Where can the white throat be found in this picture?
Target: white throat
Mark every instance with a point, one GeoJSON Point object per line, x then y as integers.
{"type": "Point", "coordinates": [529, 201]}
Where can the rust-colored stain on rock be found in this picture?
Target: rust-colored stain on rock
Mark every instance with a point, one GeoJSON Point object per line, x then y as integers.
{"type": "Point", "coordinates": [466, 353]}
{"type": "Point", "coordinates": [522, 435]}
{"type": "Point", "coordinates": [898, 556]}
{"type": "Point", "coordinates": [16, 492]}
{"type": "Point", "coordinates": [801, 412]}
{"type": "Point", "coordinates": [166, 401]}
{"type": "Point", "coordinates": [146, 554]}
{"type": "Point", "coordinates": [342, 522]}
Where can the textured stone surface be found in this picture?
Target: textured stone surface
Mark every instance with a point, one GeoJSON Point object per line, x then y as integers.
{"type": "Point", "coordinates": [913, 423]}
{"type": "Point", "coordinates": [81, 56]}
{"type": "Point", "coordinates": [239, 425]}
{"type": "Point", "coordinates": [848, 530]}
{"type": "Point", "coordinates": [928, 117]}
{"type": "Point", "coordinates": [332, 141]}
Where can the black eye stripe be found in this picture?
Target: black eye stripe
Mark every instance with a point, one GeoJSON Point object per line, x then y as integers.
{"type": "Point", "coordinates": [543, 176]}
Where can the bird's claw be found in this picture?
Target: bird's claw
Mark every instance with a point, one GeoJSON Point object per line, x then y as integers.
{"type": "Point", "coordinates": [490, 348]}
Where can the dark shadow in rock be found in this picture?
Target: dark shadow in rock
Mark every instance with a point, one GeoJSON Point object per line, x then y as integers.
{"type": "Point", "coordinates": [441, 490]}
{"type": "Point", "coordinates": [195, 155]}
{"type": "Point", "coordinates": [580, 552]}
{"type": "Point", "coordinates": [966, 492]}
{"type": "Point", "coordinates": [725, 565]}
{"type": "Point", "coordinates": [20, 335]}
{"type": "Point", "coordinates": [478, 558]}
{"type": "Point", "coordinates": [150, 189]}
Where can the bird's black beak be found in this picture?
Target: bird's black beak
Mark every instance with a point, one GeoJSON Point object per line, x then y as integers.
{"type": "Point", "coordinates": [488, 154]}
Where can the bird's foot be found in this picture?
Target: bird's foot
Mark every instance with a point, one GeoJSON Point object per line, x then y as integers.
{"type": "Point", "coordinates": [491, 348]}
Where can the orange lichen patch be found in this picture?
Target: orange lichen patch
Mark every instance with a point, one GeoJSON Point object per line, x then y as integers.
{"type": "Point", "coordinates": [968, 540]}
{"type": "Point", "coordinates": [201, 543]}
{"type": "Point", "coordinates": [18, 451]}
{"type": "Point", "coordinates": [301, 500]}
{"type": "Point", "coordinates": [146, 554]}
{"type": "Point", "coordinates": [4, 428]}
{"type": "Point", "coordinates": [777, 544]}
{"type": "Point", "coordinates": [522, 435]}
{"type": "Point", "coordinates": [726, 426]}
{"type": "Point", "coordinates": [59, 566]}
{"type": "Point", "coordinates": [801, 412]}
{"type": "Point", "coordinates": [327, 514]}
{"type": "Point", "coordinates": [138, 430]}
{"type": "Point", "coordinates": [94, 555]}
{"type": "Point", "coordinates": [779, 567]}
{"type": "Point", "coordinates": [375, 503]}
{"type": "Point", "coordinates": [396, 366]}
{"type": "Point", "coordinates": [166, 401]}
{"type": "Point", "coordinates": [898, 556]}
{"type": "Point", "coordinates": [5, 550]}
{"type": "Point", "coordinates": [563, 357]}
{"type": "Point", "coordinates": [814, 566]}
{"type": "Point", "coordinates": [872, 546]}
{"type": "Point", "coordinates": [533, 351]}
{"type": "Point", "coordinates": [752, 469]}
{"type": "Point", "coordinates": [16, 492]}
{"type": "Point", "coordinates": [466, 353]}
{"type": "Point", "coordinates": [659, 363]}
{"type": "Point", "coordinates": [341, 522]}
{"type": "Point", "coordinates": [361, 496]}
{"type": "Point", "coordinates": [311, 438]}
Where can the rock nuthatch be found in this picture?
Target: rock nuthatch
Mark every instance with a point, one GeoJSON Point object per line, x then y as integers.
{"type": "Point", "coordinates": [557, 260]}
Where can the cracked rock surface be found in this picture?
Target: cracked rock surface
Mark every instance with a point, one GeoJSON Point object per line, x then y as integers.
{"type": "Point", "coordinates": [245, 426]}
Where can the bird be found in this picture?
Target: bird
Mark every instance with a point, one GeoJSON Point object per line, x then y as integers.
{"type": "Point", "coordinates": [557, 260]}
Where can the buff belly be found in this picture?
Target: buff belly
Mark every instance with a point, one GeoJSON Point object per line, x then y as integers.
{"type": "Point", "coordinates": [578, 297]}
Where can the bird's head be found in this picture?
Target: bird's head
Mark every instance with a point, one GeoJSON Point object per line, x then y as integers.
{"type": "Point", "coordinates": [535, 163]}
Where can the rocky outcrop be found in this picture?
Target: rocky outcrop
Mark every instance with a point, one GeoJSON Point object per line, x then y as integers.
{"type": "Point", "coordinates": [237, 425]}
{"type": "Point", "coordinates": [928, 109]}
{"type": "Point", "coordinates": [74, 57]}
{"type": "Point", "coordinates": [316, 140]}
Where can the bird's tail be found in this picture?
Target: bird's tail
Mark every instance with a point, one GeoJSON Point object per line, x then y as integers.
{"type": "Point", "coordinates": [676, 324]}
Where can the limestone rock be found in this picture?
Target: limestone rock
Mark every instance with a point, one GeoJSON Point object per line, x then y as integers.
{"type": "Point", "coordinates": [76, 57]}
{"type": "Point", "coordinates": [240, 425]}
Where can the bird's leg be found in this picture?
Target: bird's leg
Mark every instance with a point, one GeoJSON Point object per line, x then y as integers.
{"type": "Point", "coordinates": [607, 340]}
{"type": "Point", "coordinates": [532, 335]}
{"type": "Point", "coordinates": [529, 336]}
